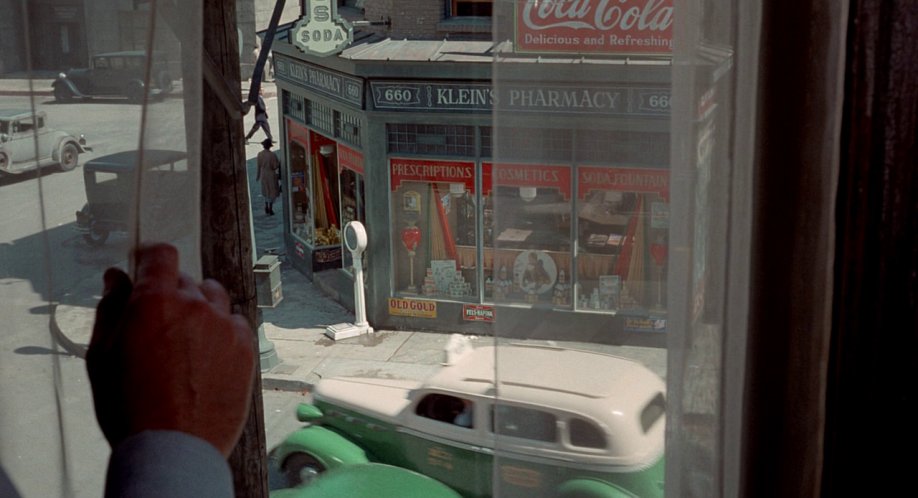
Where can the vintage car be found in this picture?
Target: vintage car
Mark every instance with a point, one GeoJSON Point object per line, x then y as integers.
{"type": "Point", "coordinates": [559, 422]}
{"type": "Point", "coordinates": [111, 183]}
{"type": "Point", "coordinates": [113, 74]}
{"type": "Point", "coordinates": [19, 131]}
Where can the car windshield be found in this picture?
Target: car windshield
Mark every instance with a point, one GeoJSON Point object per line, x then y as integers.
{"type": "Point", "coordinates": [4, 126]}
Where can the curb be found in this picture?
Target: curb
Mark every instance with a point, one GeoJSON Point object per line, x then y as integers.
{"type": "Point", "coordinates": [277, 383]}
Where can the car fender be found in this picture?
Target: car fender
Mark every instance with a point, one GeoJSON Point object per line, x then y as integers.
{"type": "Point", "coordinates": [61, 141]}
{"type": "Point", "coordinates": [370, 480]}
{"type": "Point", "coordinates": [591, 488]}
{"type": "Point", "coordinates": [70, 86]}
{"type": "Point", "coordinates": [330, 448]}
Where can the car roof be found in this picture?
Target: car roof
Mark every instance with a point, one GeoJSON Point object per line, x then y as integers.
{"type": "Point", "coordinates": [531, 372]}
{"type": "Point", "coordinates": [121, 161]}
{"type": "Point", "coordinates": [18, 113]}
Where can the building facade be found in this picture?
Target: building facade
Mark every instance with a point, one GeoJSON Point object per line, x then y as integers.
{"type": "Point", "coordinates": [539, 196]}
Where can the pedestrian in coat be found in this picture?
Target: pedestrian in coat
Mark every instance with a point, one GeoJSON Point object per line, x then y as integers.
{"type": "Point", "coordinates": [261, 118]}
{"type": "Point", "coordinates": [268, 175]}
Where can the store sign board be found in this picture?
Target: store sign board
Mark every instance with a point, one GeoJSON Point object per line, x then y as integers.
{"type": "Point", "coordinates": [616, 27]}
{"type": "Point", "coordinates": [320, 80]}
{"type": "Point", "coordinates": [431, 170]}
{"type": "Point", "coordinates": [320, 30]}
{"type": "Point", "coordinates": [477, 313]}
{"type": "Point", "coordinates": [520, 97]}
{"type": "Point", "coordinates": [622, 180]}
{"type": "Point", "coordinates": [349, 158]}
{"type": "Point", "coordinates": [527, 175]}
{"type": "Point", "coordinates": [412, 307]}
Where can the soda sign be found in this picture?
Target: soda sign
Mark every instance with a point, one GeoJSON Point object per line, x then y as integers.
{"type": "Point", "coordinates": [412, 307]}
{"type": "Point", "coordinates": [622, 27]}
{"type": "Point", "coordinates": [320, 31]}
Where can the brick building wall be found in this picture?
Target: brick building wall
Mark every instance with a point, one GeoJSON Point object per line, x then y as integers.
{"type": "Point", "coordinates": [411, 19]}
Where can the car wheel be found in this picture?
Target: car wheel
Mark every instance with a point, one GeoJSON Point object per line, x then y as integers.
{"type": "Point", "coordinates": [134, 92]}
{"type": "Point", "coordinates": [62, 94]}
{"type": "Point", "coordinates": [70, 157]}
{"type": "Point", "coordinates": [4, 161]}
{"type": "Point", "coordinates": [96, 236]}
{"type": "Point", "coordinates": [301, 468]}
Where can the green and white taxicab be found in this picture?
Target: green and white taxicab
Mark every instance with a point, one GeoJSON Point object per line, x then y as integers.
{"type": "Point", "coordinates": [508, 420]}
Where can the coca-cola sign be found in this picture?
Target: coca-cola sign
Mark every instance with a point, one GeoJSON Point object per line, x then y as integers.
{"type": "Point", "coordinates": [625, 27]}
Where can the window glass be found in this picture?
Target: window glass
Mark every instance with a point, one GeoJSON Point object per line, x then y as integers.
{"type": "Point", "coordinates": [448, 409]}
{"type": "Point", "coordinates": [530, 260]}
{"type": "Point", "coordinates": [472, 7]}
{"type": "Point", "coordinates": [653, 412]}
{"type": "Point", "coordinates": [300, 190]}
{"type": "Point", "coordinates": [585, 434]}
{"type": "Point", "coordinates": [101, 63]}
{"type": "Point", "coordinates": [524, 423]}
{"type": "Point", "coordinates": [433, 204]}
{"type": "Point", "coordinates": [117, 63]}
{"type": "Point", "coordinates": [26, 125]}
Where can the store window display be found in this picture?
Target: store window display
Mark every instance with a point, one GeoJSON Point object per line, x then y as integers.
{"type": "Point", "coordinates": [352, 184]}
{"type": "Point", "coordinates": [530, 259]}
{"type": "Point", "coordinates": [301, 219]}
{"type": "Point", "coordinates": [433, 206]}
{"type": "Point", "coordinates": [622, 225]}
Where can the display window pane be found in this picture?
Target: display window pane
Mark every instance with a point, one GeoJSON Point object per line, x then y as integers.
{"type": "Point", "coordinates": [434, 208]}
{"type": "Point", "coordinates": [325, 193]}
{"type": "Point", "coordinates": [530, 259]}
{"type": "Point", "coordinates": [351, 168]}
{"type": "Point", "coordinates": [622, 225]}
{"type": "Point", "coordinates": [301, 219]}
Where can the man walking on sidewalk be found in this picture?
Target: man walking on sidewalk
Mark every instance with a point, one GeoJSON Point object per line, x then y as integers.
{"type": "Point", "coordinates": [261, 118]}
{"type": "Point", "coordinates": [268, 175]}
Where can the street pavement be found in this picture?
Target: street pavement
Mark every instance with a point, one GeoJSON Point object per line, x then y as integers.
{"type": "Point", "coordinates": [295, 328]}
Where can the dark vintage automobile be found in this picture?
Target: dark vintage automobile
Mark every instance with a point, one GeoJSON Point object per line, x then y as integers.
{"type": "Point", "coordinates": [111, 200]}
{"type": "Point", "coordinates": [114, 74]}
{"type": "Point", "coordinates": [21, 130]}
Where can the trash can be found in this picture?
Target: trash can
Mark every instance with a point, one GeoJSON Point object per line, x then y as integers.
{"type": "Point", "coordinates": [268, 281]}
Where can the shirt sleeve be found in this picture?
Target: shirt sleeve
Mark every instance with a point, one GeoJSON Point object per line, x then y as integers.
{"type": "Point", "coordinates": [156, 464]}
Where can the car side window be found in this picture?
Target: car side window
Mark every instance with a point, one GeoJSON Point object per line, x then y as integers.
{"type": "Point", "coordinates": [585, 434]}
{"type": "Point", "coordinates": [448, 409]}
{"type": "Point", "coordinates": [526, 423]}
{"type": "Point", "coordinates": [117, 63]}
{"type": "Point", "coordinates": [26, 125]}
{"type": "Point", "coordinates": [653, 412]}
{"type": "Point", "coordinates": [101, 63]}
{"type": "Point", "coordinates": [133, 62]}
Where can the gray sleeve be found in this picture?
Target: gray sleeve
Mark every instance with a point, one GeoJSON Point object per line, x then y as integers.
{"type": "Point", "coordinates": [167, 463]}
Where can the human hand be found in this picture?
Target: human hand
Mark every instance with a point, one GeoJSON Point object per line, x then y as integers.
{"type": "Point", "coordinates": [168, 354]}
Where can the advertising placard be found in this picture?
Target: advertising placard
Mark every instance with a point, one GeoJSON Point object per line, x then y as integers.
{"type": "Point", "coordinates": [622, 180]}
{"type": "Point", "coordinates": [416, 308]}
{"type": "Point", "coordinates": [610, 27]}
{"type": "Point", "coordinates": [349, 158]}
{"type": "Point", "coordinates": [431, 170]}
{"type": "Point", "coordinates": [527, 175]}
{"type": "Point", "coordinates": [477, 313]}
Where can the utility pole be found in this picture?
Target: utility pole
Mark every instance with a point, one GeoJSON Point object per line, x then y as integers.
{"type": "Point", "coordinates": [226, 245]}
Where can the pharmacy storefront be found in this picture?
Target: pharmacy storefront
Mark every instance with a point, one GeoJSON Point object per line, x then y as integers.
{"type": "Point", "coordinates": [568, 226]}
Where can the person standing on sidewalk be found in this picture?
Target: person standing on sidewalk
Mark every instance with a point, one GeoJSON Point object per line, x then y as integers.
{"type": "Point", "coordinates": [261, 118]}
{"type": "Point", "coordinates": [269, 175]}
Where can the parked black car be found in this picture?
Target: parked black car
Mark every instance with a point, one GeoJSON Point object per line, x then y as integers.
{"type": "Point", "coordinates": [113, 74]}
{"type": "Point", "coordinates": [111, 184]}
